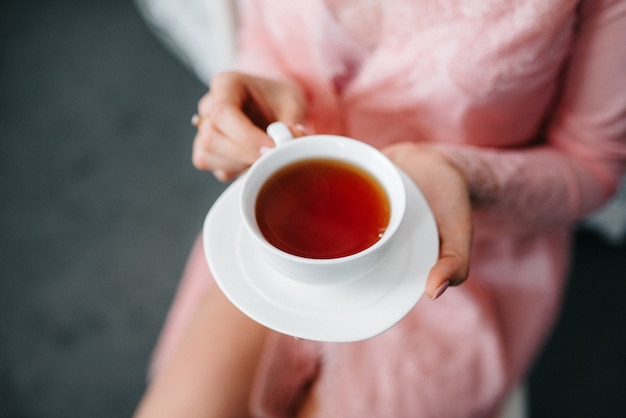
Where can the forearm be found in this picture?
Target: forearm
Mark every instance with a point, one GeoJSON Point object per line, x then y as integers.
{"type": "Point", "coordinates": [529, 189]}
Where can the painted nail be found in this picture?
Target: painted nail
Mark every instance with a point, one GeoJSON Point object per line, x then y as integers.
{"type": "Point", "coordinates": [302, 129]}
{"type": "Point", "coordinates": [441, 289]}
{"type": "Point", "coordinates": [219, 174]}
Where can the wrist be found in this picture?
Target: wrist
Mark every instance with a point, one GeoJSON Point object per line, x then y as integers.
{"type": "Point", "coordinates": [481, 182]}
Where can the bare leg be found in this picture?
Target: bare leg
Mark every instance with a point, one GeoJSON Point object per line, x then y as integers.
{"type": "Point", "coordinates": [194, 284]}
{"type": "Point", "coordinates": [210, 374]}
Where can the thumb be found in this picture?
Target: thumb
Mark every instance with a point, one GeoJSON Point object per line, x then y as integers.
{"type": "Point", "coordinates": [452, 267]}
{"type": "Point", "coordinates": [448, 271]}
{"type": "Point", "coordinates": [292, 111]}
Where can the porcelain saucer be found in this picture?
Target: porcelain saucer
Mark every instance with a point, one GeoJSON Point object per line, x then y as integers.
{"type": "Point", "coordinates": [348, 311]}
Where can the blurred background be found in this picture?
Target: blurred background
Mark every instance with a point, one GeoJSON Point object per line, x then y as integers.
{"type": "Point", "coordinates": [100, 205]}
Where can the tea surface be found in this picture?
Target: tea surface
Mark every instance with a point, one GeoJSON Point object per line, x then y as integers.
{"type": "Point", "coordinates": [322, 208]}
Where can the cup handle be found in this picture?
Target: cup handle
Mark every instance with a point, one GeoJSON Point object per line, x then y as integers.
{"type": "Point", "coordinates": [279, 132]}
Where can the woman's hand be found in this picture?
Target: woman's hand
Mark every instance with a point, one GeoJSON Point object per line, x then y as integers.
{"type": "Point", "coordinates": [447, 193]}
{"type": "Point", "coordinates": [232, 118]}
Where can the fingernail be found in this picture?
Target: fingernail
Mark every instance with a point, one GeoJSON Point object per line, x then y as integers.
{"type": "Point", "coordinates": [303, 129]}
{"type": "Point", "coordinates": [219, 174]}
{"type": "Point", "coordinates": [195, 120]}
{"type": "Point", "coordinates": [265, 150]}
{"type": "Point", "coordinates": [442, 288]}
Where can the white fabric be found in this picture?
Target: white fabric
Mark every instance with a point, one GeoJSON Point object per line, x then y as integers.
{"type": "Point", "coordinates": [515, 405]}
{"type": "Point", "coordinates": [610, 221]}
{"type": "Point", "coordinates": [201, 33]}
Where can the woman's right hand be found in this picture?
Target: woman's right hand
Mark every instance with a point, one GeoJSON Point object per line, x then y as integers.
{"type": "Point", "coordinates": [232, 118]}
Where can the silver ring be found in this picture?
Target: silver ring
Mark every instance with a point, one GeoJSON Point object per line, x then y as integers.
{"type": "Point", "coordinates": [195, 120]}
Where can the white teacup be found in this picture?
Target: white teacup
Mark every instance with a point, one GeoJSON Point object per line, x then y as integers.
{"type": "Point", "coordinates": [331, 147]}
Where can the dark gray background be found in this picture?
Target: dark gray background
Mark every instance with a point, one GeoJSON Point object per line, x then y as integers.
{"type": "Point", "coordinates": [100, 204]}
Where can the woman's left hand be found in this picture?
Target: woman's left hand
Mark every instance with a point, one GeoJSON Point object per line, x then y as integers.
{"type": "Point", "coordinates": [447, 193]}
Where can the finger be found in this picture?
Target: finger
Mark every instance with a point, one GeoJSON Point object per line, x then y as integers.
{"type": "Point", "coordinates": [452, 267]}
{"type": "Point", "coordinates": [233, 97]}
{"type": "Point", "coordinates": [222, 110]}
{"type": "Point", "coordinates": [448, 271]}
{"type": "Point", "coordinates": [239, 129]}
{"type": "Point", "coordinates": [212, 151]}
{"type": "Point", "coordinates": [298, 130]}
{"type": "Point", "coordinates": [292, 110]}
{"type": "Point", "coordinates": [223, 168]}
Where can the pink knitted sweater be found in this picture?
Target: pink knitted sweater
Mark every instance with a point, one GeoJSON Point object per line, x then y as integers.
{"type": "Point", "coordinates": [528, 98]}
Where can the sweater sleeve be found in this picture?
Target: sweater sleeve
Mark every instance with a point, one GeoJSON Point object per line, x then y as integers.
{"type": "Point", "coordinates": [583, 156]}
